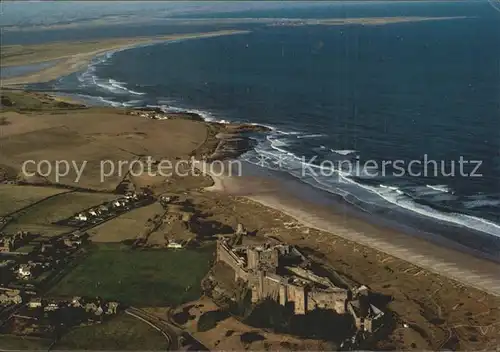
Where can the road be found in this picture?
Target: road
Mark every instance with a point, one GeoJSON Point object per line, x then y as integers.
{"type": "Point", "coordinates": [167, 330]}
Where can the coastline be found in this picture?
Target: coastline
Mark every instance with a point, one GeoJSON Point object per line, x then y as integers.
{"type": "Point", "coordinates": [74, 57]}
{"type": "Point", "coordinates": [339, 221]}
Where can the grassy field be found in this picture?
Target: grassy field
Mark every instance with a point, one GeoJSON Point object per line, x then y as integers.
{"type": "Point", "coordinates": [14, 197]}
{"type": "Point", "coordinates": [123, 332]}
{"type": "Point", "coordinates": [62, 207]}
{"type": "Point", "coordinates": [126, 226]}
{"type": "Point", "coordinates": [44, 230]}
{"type": "Point", "coordinates": [20, 343]}
{"type": "Point", "coordinates": [138, 277]}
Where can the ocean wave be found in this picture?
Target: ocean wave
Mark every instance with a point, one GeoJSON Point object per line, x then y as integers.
{"type": "Point", "coordinates": [307, 136]}
{"type": "Point", "coordinates": [343, 151]}
{"type": "Point", "coordinates": [341, 182]}
{"type": "Point", "coordinates": [114, 86]}
{"type": "Point", "coordinates": [272, 128]}
{"type": "Point", "coordinates": [205, 115]}
{"type": "Point", "coordinates": [291, 133]}
{"type": "Point", "coordinates": [114, 104]}
{"type": "Point", "coordinates": [479, 203]}
{"type": "Point", "coordinates": [392, 188]}
{"type": "Point", "coordinates": [463, 220]}
{"type": "Point", "coordinates": [120, 85]}
{"type": "Point", "coordinates": [277, 142]}
{"type": "Point", "coordinates": [440, 188]}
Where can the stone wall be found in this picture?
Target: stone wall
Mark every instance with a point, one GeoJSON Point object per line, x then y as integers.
{"type": "Point", "coordinates": [225, 255]}
{"type": "Point", "coordinates": [331, 299]}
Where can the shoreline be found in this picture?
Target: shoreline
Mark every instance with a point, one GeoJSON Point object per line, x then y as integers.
{"type": "Point", "coordinates": [80, 54]}
{"type": "Point", "coordinates": [467, 269]}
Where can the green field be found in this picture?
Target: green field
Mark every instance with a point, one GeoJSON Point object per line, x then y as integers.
{"type": "Point", "coordinates": [144, 278]}
{"type": "Point", "coordinates": [123, 332]}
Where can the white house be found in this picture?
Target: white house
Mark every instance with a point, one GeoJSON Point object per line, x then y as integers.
{"type": "Point", "coordinates": [174, 245]}
{"type": "Point", "coordinates": [35, 303]}
{"type": "Point", "coordinates": [81, 217]}
{"type": "Point", "coordinates": [24, 271]}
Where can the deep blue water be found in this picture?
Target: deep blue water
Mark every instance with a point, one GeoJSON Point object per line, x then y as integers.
{"type": "Point", "coordinates": [399, 92]}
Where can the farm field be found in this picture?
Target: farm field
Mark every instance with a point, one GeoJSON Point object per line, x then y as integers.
{"type": "Point", "coordinates": [126, 226]}
{"type": "Point", "coordinates": [138, 277]}
{"type": "Point", "coordinates": [13, 197]}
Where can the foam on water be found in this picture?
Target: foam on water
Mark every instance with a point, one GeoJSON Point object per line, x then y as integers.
{"type": "Point", "coordinates": [481, 203]}
{"type": "Point", "coordinates": [343, 152]}
{"type": "Point", "coordinates": [440, 188]}
{"type": "Point", "coordinates": [341, 183]}
{"type": "Point", "coordinates": [318, 135]}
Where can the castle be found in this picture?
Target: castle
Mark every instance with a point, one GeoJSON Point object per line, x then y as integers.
{"type": "Point", "coordinates": [281, 272]}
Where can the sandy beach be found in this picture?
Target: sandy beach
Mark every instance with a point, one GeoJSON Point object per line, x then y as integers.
{"type": "Point", "coordinates": [466, 269]}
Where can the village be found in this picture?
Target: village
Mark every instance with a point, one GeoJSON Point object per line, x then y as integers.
{"type": "Point", "coordinates": [30, 263]}
{"type": "Point", "coordinates": [24, 310]}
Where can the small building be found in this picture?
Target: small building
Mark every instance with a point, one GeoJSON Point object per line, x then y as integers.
{"type": "Point", "coordinates": [24, 271]}
{"type": "Point", "coordinates": [76, 302]}
{"type": "Point", "coordinates": [81, 217]}
{"type": "Point", "coordinates": [52, 306]}
{"type": "Point", "coordinates": [112, 308]}
{"type": "Point", "coordinates": [69, 242]}
{"type": "Point", "coordinates": [174, 245]}
{"type": "Point", "coordinates": [35, 303]}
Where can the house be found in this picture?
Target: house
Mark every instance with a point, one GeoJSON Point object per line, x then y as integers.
{"type": "Point", "coordinates": [81, 217]}
{"type": "Point", "coordinates": [6, 245]}
{"type": "Point", "coordinates": [75, 302]}
{"type": "Point", "coordinates": [112, 308]}
{"type": "Point", "coordinates": [99, 311]}
{"type": "Point", "coordinates": [24, 271]}
{"type": "Point", "coordinates": [68, 242]}
{"type": "Point", "coordinates": [118, 204]}
{"type": "Point", "coordinates": [35, 303]}
{"type": "Point", "coordinates": [103, 209]}
{"type": "Point", "coordinates": [90, 307]}
{"type": "Point", "coordinates": [174, 245]}
{"type": "Point", "coordinates": [51, 307]}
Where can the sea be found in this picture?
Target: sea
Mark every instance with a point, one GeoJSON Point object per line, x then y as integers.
{"type": "Point", "coordinates": [399, 121]}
